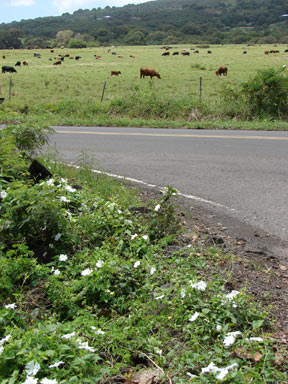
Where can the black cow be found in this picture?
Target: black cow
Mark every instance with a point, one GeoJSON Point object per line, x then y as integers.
{"type": "Point", "coordinates": [186, 53]}
{"type": "Point", "coordinates": [77, 57]}
{"type": "Point", "coordinates": [286, 50]}
{"type": "Point", "coordinates": [37, 55]}
{"type": "Point", "coordinates": [175, 53]}
{"type": "Point", "coordinates": [165, 54]}
{"type": "Point", "coordinates": [209, 51]}
{"type": "Point", "coordinates": [18, 64]}
{"type": "Point", "coordinates": [244, 53]}
{"type": "Point", "coordinates": [7, 68]}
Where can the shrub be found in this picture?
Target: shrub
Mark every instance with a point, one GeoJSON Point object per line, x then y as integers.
{"type": "Point", "coordinates": [267, 93]}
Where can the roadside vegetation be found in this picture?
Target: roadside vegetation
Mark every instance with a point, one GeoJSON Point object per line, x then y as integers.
{"type": "Point", "coordinates": [253, 95]}
{"type": "Point", "coordinates": [96, 287]}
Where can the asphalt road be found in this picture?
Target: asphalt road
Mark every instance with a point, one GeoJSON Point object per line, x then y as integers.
{"type": "Point", "coordinates": [244, 173]}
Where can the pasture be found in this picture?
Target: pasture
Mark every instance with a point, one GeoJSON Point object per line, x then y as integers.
{"type": "Point", "coordinates": [43, 86]}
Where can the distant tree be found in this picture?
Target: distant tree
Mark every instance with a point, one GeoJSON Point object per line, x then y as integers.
{"type": "Point", "coordinates": [134, 37]}
{"type": "Point", "coordinates": [75, 43]}
{"type": "Point", "coordinates": [12, 38]}
{"type": "Point", "coordinates": [63, 37]}
{"type": "Point", "coordinates": [36, 41]}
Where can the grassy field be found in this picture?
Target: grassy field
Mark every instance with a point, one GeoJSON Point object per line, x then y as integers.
{"type": "Point", "coordinates": [72, 91]}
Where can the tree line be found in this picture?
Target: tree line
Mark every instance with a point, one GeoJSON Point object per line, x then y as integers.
{"type": "Point", "coordinates": [156, 22]}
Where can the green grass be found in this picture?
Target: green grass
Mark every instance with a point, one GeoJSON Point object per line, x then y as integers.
{"type": "Point", "coordinates": [71, 93]}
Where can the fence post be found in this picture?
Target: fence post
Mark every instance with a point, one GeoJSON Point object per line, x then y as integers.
{"type": "Point", "coordinates": [200, 93]}
{"type": "Point", "coordinates": [102, 97]}
{"type": "Point", "coordinates": [10, 88]}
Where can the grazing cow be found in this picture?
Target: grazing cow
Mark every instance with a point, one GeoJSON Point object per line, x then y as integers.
{"type": "Point", "coordinates": [67, 55]}
{"type": "Point", "coordinates": [222, 71]}
{"type": "Point", "coordinates": [209, 51]}
{"type": "Point", "coordinates": [3, 57]}
{"type": "Point", "coordinates": [62, 58]}
{"type": "Point", "coordinates": [266, 52]}
{"type": "Point", "coordinates": [113, 53]}
{"type": "Point", "coordinates": [18, 64]}
{"type": "Point", "coordinates": [115, 73]}
{"type": "Point", "coordinates": [175, 53]}
{"type": "Point", "coordinates": [132, 57]}
{"type": "Point", "coordinates": [165, 54]}
{"type": "Point", "coordinates": [286, 50]}
{"type": "Point", "coordinates": [51, 50]}
{"type": "Point", "coordinates": [57, 62]}
{"type": "Point", "coordinates": [196, 51]}
{"type": "Point", "coordinates": [71, 57]}
{"type": "Point", "coordinates": [7, 68]}
{"type": "Point", "coordinates": [149, 72]}
{"type": "Point", "coordinates": [77, 57]}
{"type": "Point", "coordinates": [25, 63]}
{"type": "Point", "coordinates": [120, 57]}
{"type": "Point", "coordinates": [37, 55]}
{"type": "Point", "coordinates": [244, 53]}
{"type": "Point", "coordinates": [185, 53]}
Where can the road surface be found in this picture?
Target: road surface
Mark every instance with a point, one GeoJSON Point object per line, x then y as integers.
{"type": "Point", "coordinates": [244, 173]}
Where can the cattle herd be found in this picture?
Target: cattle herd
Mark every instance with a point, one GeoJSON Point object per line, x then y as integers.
{"type": "Point", "coordinates": [144, 72]}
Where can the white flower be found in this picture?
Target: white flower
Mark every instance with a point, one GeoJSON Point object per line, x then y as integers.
{"type": "Point", "coordinates": [70, 189]}
{"type": "Point", "coordinates": [259, 339]}
{"type": "Point", "coordinates": [158, 206]}
{"type": "Point", "coordinates": [189, 246]}
{"type": "Point", "coordinates": [32, 368]}
{"type": "Point", "coordinates": [134, 236]}
{"type": "Point", "coordinates": [84, 345]}
{"type": "Point", "coordinates": [159, 297]}
{"type": "Point", "coordinates": [99, 263]}
{"type": "Point", "coordinates": [145, 237]}
{"type": "Point", "coordinates": [128, 222]}
{"type": "Point", "coordinates": [191, 376]}
{"type": "Point", "coordinates": [10, 306]}
{"type": "Point", "coordinates": [87, 272]}
{"type": "Point", "coordinates": [48, 381]}
{"type": "Point", "coordinates": [99, 332]}
{"type": "Point", "coordinates": [230, 296]}
{"type": "Point", "coordinates": [219, 372]}
{"type": "Point", "coordinates": [63, 257]}
{"type": "Point", "coordinates": [64, 199]}
{"type": "Point", "coordinates": [30, 380]}
{"type": "Point", "coordinates": [57, 364]}
{"type": "Point", "coordinates": [56, 272]}
{"type": "Point", "coordinates": [284, 66]}
{"type": "Point", "coordinates": [230, 338]}
{"type": "Point", "coordinates": [57, 237]}
{"type": "Point", "coordinates": [218, 327]}
{"type": "Point", "coordinates": [68, 335]}
{"type": "Point", "coordinates": [183, 293]}
{"type": "Point", "coordinates": [158, 351]}
{"type": "Point", "coordinates": [119, 211]}
{"type": "Point", "coordinates": [137, 263]}
{"type": "Point", "coordinates": [152, 270]}
{"type": "Point", "coordinates": [3, 194]}
{"type": "Point", "coordinates": [194, 317]}
{"type": "Point", "coordinates": [201, 285]}
{"type": "Point", "coordinates": [50, 182]}
{"type": "Point", "coordinates": [5, 339]}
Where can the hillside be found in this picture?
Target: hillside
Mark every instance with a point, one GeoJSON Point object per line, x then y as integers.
{"type": "Point", "coordinates": [163, 22]}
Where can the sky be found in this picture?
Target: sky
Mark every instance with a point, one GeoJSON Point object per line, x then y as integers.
{"type": "Point", "coordinates": [15, 10]}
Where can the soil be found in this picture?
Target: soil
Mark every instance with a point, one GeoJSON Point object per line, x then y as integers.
{"type": "Point", "coordinates": [260, 262]}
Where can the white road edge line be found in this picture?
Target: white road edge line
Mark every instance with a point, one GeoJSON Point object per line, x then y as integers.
{"type": "Point", "coordinates": [137, 181]}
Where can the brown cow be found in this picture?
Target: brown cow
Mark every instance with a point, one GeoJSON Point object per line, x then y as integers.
{"type": "Point", "coordinates": [133, 57]}
{"type": "Point", "coordinates": [149, 72]}
{"type": "Point", "coordinates": [57, 63]}
{"type": "Point", "coordinates": [115, 73]}
{"type": "Point", "coordinates": [25, 63]}
{"type": "Point", "coordinates": [120, 57]}
{"type": "Point", "coordinates": [222, 71]}
{"type": "Point", "coordinates": [266, 52]}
